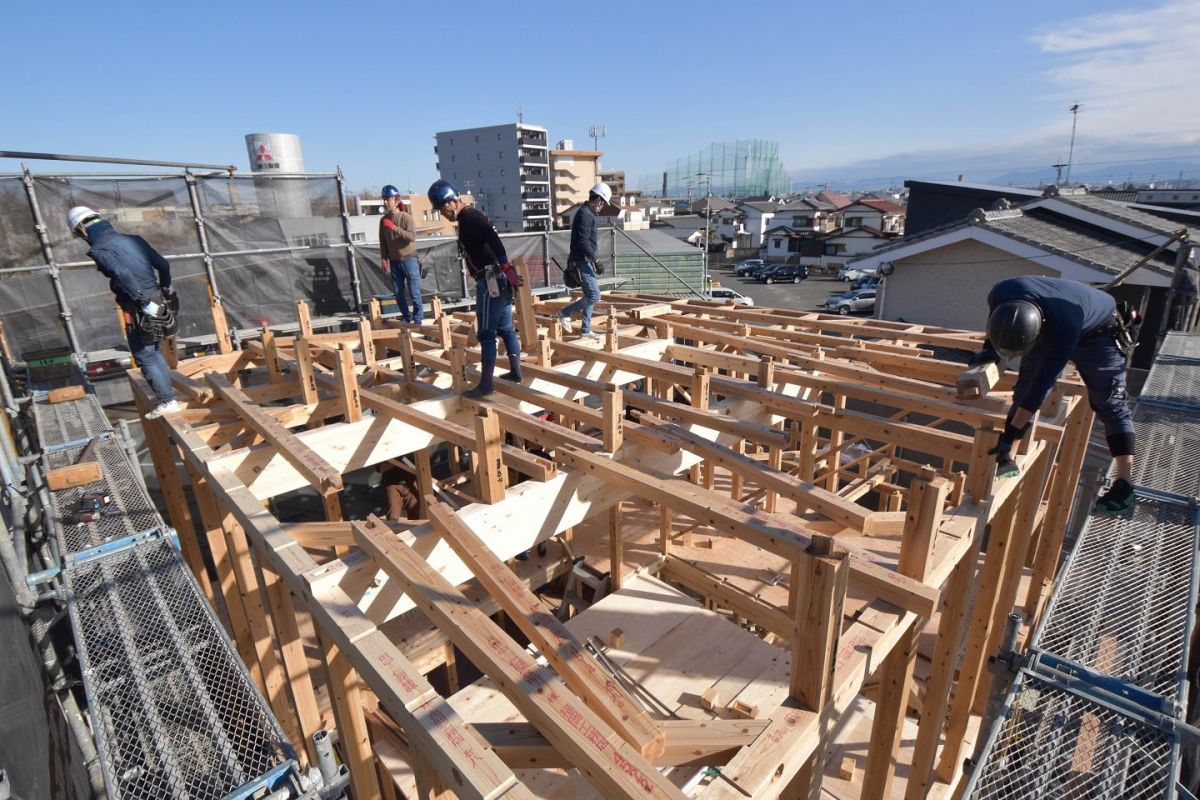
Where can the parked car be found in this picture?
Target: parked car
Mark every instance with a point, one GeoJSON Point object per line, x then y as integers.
{"type": "Point", "coordinates": [783, 273]}
{"type": "Point", "coordinates": [725, 293]}
{"type": "Point", "coordinates": [861, 300]}
{"type": "Point", "coordinates": [745, 266]}
{"type": "Point", "coordinates": [852, 273]}
{"type": "Point", "coordinates": [869, 282]}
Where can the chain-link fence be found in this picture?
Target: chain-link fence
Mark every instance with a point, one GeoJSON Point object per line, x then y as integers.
{"type": "Point", "coordinates": [257, 243]}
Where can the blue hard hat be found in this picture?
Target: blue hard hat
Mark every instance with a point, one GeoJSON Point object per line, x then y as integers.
{"type": "Point", "coordinates": [442, 192]}
{"type": "Point", "coordinates": [390, 191]}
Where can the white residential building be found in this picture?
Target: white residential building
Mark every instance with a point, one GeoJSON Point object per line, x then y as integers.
{"type": "Point", "coordinates": [757, 219]}
{"type": "Point", "coordinates": [882, 215]}
{"type": "Point", "coordinates": [506, 167]}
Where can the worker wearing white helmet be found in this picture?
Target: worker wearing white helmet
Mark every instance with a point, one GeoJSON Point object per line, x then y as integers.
{"type": "Point", "coordinates": [140, 278]}
{"type": "Point", "coordinates": [582, 262]}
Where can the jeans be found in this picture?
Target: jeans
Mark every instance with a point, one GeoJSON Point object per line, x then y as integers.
{"type": "Point", "coordinates": [494, 315]}
{"type": "Point", "coordinates": [153, 365]}
{"type": "Point", "coordinates": [406, 281]}
{"type": "Point", "coordinates": [591, 295]}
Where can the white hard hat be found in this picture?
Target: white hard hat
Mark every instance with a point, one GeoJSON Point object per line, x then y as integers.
{"type": "Point", "coordinates": [601, 190]}
{"type": "Point", "coordinates": [78, 215]}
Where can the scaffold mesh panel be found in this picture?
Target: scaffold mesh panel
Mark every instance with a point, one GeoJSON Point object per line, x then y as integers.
{"type": "Point", "coordinates": [1181, 345]}
{"type": "Point", "coordinates": [1168, 449]}
{"type": "Point", "coordinates": [173, 709]}
{"type": "Point", "coordinates": [1173, 380]}
{"type": "Point", "coordinates": [1059, 746]}
{"type": "Point", "coordinates": [1123, 605]}
{"type": "Point", "coordinates": [130, 512]}
{"type": "Point", "coordinates": [58, 423]}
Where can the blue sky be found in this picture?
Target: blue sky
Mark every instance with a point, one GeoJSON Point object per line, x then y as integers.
{"type": "Point", "coordinates": [367, 86]}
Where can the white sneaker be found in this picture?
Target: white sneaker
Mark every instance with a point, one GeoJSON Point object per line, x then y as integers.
{"type": "Point", "coordinates": [568, 325]}
{"type": "Point", "coordinates": [172, 407]}
{"type": "Point", "coordinates": [589, 335]}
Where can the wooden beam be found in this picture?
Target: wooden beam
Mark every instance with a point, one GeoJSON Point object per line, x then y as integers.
{"type": "Point", "coordinates": [347, 702]}
{"type": "Point", "coordinates": [610, 764]}
{"type": "Point", "coordinates": [316, 470]}
{"type": "Point", "coordinates": [594, 686]}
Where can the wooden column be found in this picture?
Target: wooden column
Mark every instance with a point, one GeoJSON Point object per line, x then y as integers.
{"type": "Point", "coordinates": [163, 456]}
{"type": "Point", "coordinates": [490, 473]}
{"type": "Point", "coordinates": [774, 461]}
{"type": "Point", "coordinates": [406, 357]}
{"type": "Point", "coordinates": [613, 409]}
{"type": "Point", "coordinates": [973, 656]}
{"type": "Point", "coordinates": [816, 600]}
{"type": "Point", "coordinates": [348, 385]}
{"type": "Point", "coordinates": [424, 480]}
{"type": "Point", "coordinates": [303, 319]}
{"type": "Point", "coordinates": [700, 388]}
{"type": "Point", "coordinates": [270, 355]}
{"type": "Point", "coordinates": [526, 319]}
{"type": "Point", "coordinates": [921, 523]}
{"type": "Point", "coordinates": [220, 327]}
{"type": "Point", "coordinates": [666, 529]}
{"type": "Point", "coordinates": [351, 723]}
{"type": "Point", "coordinates": [366, 342]}
{"type": "Point", "coordinates": [836, 438]}
{"type": "Point", "coordinates": [616, 546]}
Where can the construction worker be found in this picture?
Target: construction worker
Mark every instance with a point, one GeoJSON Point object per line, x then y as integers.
{"type": "Point", "coordinates": [398, 255]}
{"type": "Point", "coordinates": [141, 280]}
{"type": "Point", "coordinates": [1047, 322]}
{"type": "Point", "coordinates": [400, 488]}
{"type": "Point", "coordinates": [582, 258]}
{"type": "Point", "coordinates": [495, 279]}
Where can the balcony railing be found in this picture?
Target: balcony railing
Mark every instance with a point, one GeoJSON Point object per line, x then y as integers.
{"type": "Point", "coordinates": [532, 140]}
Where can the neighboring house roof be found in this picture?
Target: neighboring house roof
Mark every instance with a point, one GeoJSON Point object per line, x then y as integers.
{"type": "Point", "coordinates": [1119, 212]}
{"type": "Point", "coordinates": [654, 241]}
{"type": "Point", "coordinates": [716, 204]}
{"type": "Point", "coordinates": [1040, 230]}
{"type": "Point", "coordinates": [1119, 195]}
{"type": "Point", "coordinates": [683, 222]}
{"type": "Point", "coordinates": [765, 207]}
{"type": "Point", "coordinates": [886, 206]}
{"type": "Point", "coordinates": [782, 230]}
{"type": "Point", "coordinates": [806, 204]}
{"type": "Point", "coordinates": [987, 187]}
{"type": "Point", "coordinates": [874, 233]}
{"type": "Point", "coordinates": [834, 199]}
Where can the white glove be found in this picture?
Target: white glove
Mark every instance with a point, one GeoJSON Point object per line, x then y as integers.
{"type": "Point", "coordinates": [151, 309]}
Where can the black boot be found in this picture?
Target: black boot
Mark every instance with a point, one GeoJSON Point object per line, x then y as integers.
{"type": "Point", "coordinates": [514, 368]}
{"type": "Point", "coordinates": [484, 387]}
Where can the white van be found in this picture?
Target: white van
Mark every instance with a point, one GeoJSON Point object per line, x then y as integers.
{"type": "Point", "coordinates": [725, 293]}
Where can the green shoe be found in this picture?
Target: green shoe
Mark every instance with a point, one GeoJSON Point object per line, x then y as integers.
{"type": "Point", "coordinates": [1007, 468]}
{"type": "Point", "coordinates": [1118, 499]}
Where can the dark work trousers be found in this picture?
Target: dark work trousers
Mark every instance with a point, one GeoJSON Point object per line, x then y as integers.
{"type": "Point", "coordinates": [1102, 367]}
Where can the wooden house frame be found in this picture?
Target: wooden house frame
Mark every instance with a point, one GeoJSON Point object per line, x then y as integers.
{"type": "Point", "coordinates": [834, 446]}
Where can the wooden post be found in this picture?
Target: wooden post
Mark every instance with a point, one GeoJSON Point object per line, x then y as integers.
{"type": "Point", "coordinates": [458, 369]}
{"type": "Point", "coordinates": [613, 410]}
{"type": "Point", "coordinates": [973, 656]}
{"type": "Point", "coordinates": [406, 357]}
{"type": "Point", "coordinates": [981, 472]}
{"type": "Point", "coordinates": [941, 676]}
{"type": "Point", "coordinates": [424, 480]}
{"type": "Point", "coordinates": [366, 342]}
{"type": "Point", "coordinates": [666, 529]}
{"type": "Point", "coordinates": [304, 319]}
{"type": "Point", "coordinates": [490, 472]}
{"type": "Point", "coordinates": [836, 437]}
{"type": "Point", "coordinates": [295, 663]}
{"type": "Point", "coordinates": [542, 353]}
{"type": "Point", "coordinates": [348, 384]}
{"type": "Point", "coordinates": [700, 388]}
{"type": "Point", "coordinates": [815, 602]}
{"type": "Point", "coordinates": [443, 330]}
{"type": "Point", "coordinates": [352, 723]}
{"type": "Point", "coordinates": [435, 306]}
{"type": "Point", "coordinates": [220, 327]}
{"type": "Point", "coordinates": [268, 342]}
{"type": "Point", "coordinates": [170, 351]}
{"type": "Point", "coordinates": [736, 480]}
{"type": "Point", "coordinates": [304, 370]}
{"type": "Point", "coordinates": [774, 461]}
{"type": "Point", "coordinates": [526, 319]}
{"type": "Point", "coordinates": [171, 487]}
{"type": "Point", "coordinates": [375, 311]}
{"type": "Point", "coordinates": [616, 546]}
{"type": "Point", "coordinates": [766, 372]}
{"type": "Point", "coordinates": [808, 452]}
{"type": "Point", "coordinates": [926, 500]}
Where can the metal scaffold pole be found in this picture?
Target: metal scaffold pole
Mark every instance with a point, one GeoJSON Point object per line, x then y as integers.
{"type": "Point", "coordinates": [202, 234]}
{"type": "Point", "coordinates": [64, 309]}
{"type": "Point", "coordinates": [350, 260]}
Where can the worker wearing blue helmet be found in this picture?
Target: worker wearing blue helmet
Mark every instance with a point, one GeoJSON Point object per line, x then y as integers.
{"type": "Point", "coordinates": [398, 255]}
{"type": "Point", "coordinates": [487, 263]}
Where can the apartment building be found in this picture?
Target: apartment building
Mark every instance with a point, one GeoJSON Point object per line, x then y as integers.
{"type": "Point", "coordinates": [506, 167]}
{"type": "Point", "coordinates": [575, 173]}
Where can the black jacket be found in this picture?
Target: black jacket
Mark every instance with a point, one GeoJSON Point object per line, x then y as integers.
{"type": "Point", "coordinates": [583, 235]}
{"type": "Point", "coordinates": [478, 241]}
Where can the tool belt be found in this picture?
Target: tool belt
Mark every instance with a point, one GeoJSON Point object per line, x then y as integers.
{"type": "Point", "coordinates": [1115, 327]}
{"type": "Point", "coordinates": [155, 327]}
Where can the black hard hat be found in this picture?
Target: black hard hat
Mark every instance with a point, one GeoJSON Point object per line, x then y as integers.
{"type": "Point", "coordinates": [1014, 326]}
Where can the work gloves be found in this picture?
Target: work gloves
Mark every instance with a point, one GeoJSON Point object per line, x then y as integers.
{"type": "Point", "coordinates": [514, 279]}
{"type": "Point", "coordinates": [1006, 467]}
{"type": "Point", "coordinates": [387, 223]}
{"type": "Point", "coordinates": [985, 356]}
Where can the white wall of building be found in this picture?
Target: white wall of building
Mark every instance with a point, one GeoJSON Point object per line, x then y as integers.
{"type": "Point", "coordinates": [508, 174]}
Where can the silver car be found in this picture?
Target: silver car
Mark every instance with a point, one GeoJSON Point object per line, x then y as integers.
{"type": "Point", "coordinates": [861, 300]}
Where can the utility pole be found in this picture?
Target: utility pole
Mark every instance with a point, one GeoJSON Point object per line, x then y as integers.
{"type": "Point", "coordinates": [1074, 109]}
{"type": "Point", "coordinates": [707, 221]}
{"type": "Point", "coordinates": [597, 132]}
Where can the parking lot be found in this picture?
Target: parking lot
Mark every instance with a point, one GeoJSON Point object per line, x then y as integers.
{"type": "Point", "coordinates": [808, 295]}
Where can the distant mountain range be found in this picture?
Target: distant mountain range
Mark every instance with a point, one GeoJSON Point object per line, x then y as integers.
{"type": "Point", "coordinates": [1030, 168]}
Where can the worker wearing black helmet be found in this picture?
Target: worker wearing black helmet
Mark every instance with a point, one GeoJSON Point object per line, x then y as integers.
{"type": "Point", "coordinates": [1047, 322]}
{"type": "Point", "coordinates": [494, 277]}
